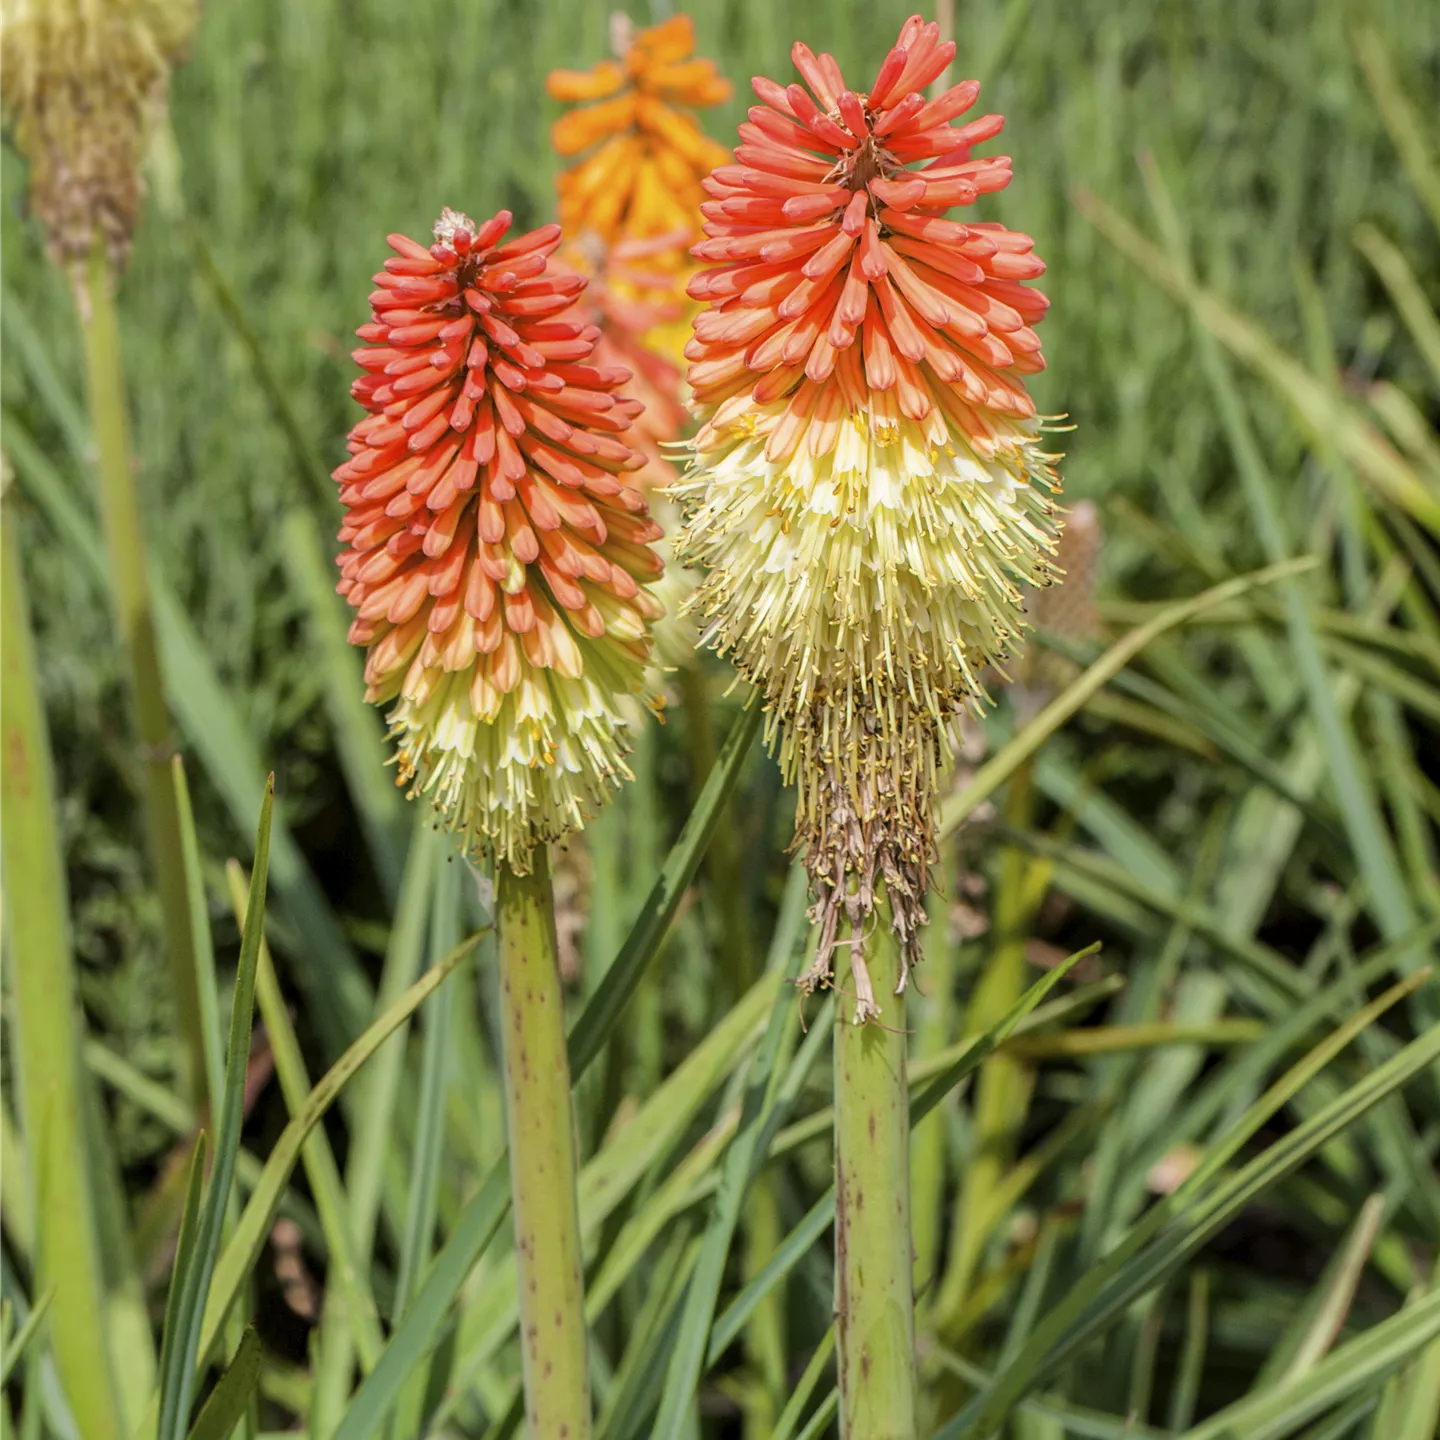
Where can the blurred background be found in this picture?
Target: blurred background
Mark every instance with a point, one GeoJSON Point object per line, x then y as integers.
{"type": "Point", "coordinates": [1199, 817]}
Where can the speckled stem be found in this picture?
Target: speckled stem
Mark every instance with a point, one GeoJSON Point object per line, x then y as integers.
{"type": "Point", "coordinates": [874, 1294]}
{"type": "Point", "coordinates": [542, 1158]}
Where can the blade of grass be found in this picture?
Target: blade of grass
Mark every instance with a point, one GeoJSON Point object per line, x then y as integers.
{"type": "Point", "coordinates": [999, 768]}
{"type": "Point", "coordinates": [821, 1215]}
{"type": "Point", "coordinates": [202, 945]}
{"type": "Point", "coordinates": [1405, 126]}
{"type": "Point", "coordinates": [129, 574]}
{"type": "Point", "coordinates": [43, 1024]}
{"type": "Point", "coordinates": [1310, 400]}
{"type": "Point", "coordinates": [800, 1397]}
{"type": "Point", "coordinates": [611, 1175]}
{"type": "Point", "coordinates": [1318, 1321]}
{"type": "Point", "coordinates": [643, 942]}
{"type": "Point", "coordinates": [17, 1345]}
{"type": "Point", "coordinates": [377, 1098]}
{"type": "Point", "coordinates": [760, 1118]}
{"type": "Point", "coordinates": [435, 1051]}
{"type": "Point", "coordinates": [1191, 1214]}
{"type": "Point", "coordinates": [337, 991]}
{"type": "Point", "coordinates": [358, 727]}
{"type": "Point", "coordinates": [1192, 1353]}
{"type": "Point", "coordinates": [1361, 1362]}
{"type": "Point", "coordinates": [1348, 777]}
{"type": "Point", "coordinates": [244, 1248]}
{"type": "Point", "coordinates": [177, 1380]}
{"type": "Point", "coordinates": [484, 1214]}
{"type": "Point", "coordinates": [225, 1406]}
{"type": "Point", "coordinates": [345, 1269]}
{"type": "Point", "coordinates": [171, 1330]}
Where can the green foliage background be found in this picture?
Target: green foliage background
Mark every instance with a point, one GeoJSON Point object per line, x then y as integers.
{"type": "Point", "coordinates": [301, 133]}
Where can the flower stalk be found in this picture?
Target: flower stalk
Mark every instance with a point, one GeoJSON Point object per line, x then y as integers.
{"type": "Point", "coordinates": [130, 599]}
{"type": "Point", "coordinates": [874, 1293]}
{"type": "Point", "coordinates": [542, 1157]}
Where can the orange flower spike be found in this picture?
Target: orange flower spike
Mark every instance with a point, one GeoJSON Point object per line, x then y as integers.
{"type": "Point", "coordinates": [644, 178]}
{"type": "Point", "coordinates": [868, 491]}
{"type": "Point", "coordinates": [497, 552]}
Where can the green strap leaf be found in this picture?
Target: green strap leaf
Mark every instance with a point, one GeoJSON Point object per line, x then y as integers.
{"type": "Point", "coordinates": [225, 1407]}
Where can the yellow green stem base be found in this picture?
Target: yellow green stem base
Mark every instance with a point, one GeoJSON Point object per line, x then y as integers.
{"type": "Point", "coordinates": [874, 1294]}
{"type": "Point", "coordinates": [542, 1159]}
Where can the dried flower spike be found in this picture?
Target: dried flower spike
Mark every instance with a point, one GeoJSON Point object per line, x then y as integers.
{"type": "Point", "coordinates": [83, 82]}
{"type": "Point", "coordinates": [868, 486]}
{"type": "Point", "coordinates": [498, 551]}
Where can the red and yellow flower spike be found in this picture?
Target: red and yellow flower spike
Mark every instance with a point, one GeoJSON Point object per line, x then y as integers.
{"type": "Point", "coordinates": [868, 488]}
{"type": "Point", "coordinates": [648, 154]}
{"type": "Point", "coordinates": [498, 549]}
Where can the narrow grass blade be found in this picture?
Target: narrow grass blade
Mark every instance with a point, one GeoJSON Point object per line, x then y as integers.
{"type": "Point", "coordinates": [177, 1380]}
{"type": "Point", "coordinates": [758, 1121]}
{"type": "Point", "coordinates": [345, 1270]}
{"type": "Point", "coordinates": [202, 942]}
{"type": "Point", "coordinates": [485, 1212]}
{"type": "Point", "coordinates": [43, 1022]}
{"type": "Point", "coordinates": [822, 1214]}
{"type": "Point", "coordinates": [1319, 1320]}
{"type": "Point", "coordinates": [789, 1417]}
{"type": "Point", "coordinates": [1360, 1363]}
{"type": "Point", "coordinates": [245, 1246]}
{"type": "Point", "coordinates": [1406, 128]}
{"type": "Point", "coordinates": [338, 991]}
{"type": "Point", "coordinates": [643, 943]}
{"type": "Point", "coordinates": [17, 1345]}
{"type": "Point", "coordinates": [225, 1406]}
{"type": "Point", "coordinates": [1003, 764]}
{"type": "Point", "coordinates": [358, 726]}
{"type": "Point", "coordinates": [1192, 1352]}
{"type": "Point", "coordinates": [610, 1176]}
{"type": "Point", "coordinates": [172, 1328]}
{"type": "Point", "coordinates": [1198, 1210]}
{"type": "Point", "coordinates": [424, 1188]}
{"type": "Point", "coordinates": [1327, 418]}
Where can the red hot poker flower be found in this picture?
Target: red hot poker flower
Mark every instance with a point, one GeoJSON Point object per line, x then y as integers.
{"type": "Point", "coordinates": [498, 552]}
{"type": "Point", "coordinates": [867, 492]}
{"type": "Point", "coordinates": [836, 274]}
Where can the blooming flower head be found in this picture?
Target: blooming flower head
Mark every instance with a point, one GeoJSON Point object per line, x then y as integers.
{"type": "Point", "coordinates": [82, 83]}
{"type": "Point", "coordinates": [868, 489]}
{"type": "Point", "coordinates": [498, 551]}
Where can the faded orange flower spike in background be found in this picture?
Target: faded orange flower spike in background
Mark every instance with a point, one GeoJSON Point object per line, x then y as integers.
{"type": "Point", "coordinates": [644, 177]}
{"type": "Point", "coordinates": [640, 181]}
{"type": "Point", "coordinates": [868, 491]}
{"type": "Point", "coordinates": [498, 547]}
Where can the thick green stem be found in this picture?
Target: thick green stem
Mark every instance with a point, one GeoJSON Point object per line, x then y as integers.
{"type": "Point", "coordinates": [130, 595]}
{"type": "Point", "coordinates": [43, 1031]}
{"type": "Point", "coordinates": [542, 1158]}
{"type": "Point", "coordinates": [874, 1295]}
